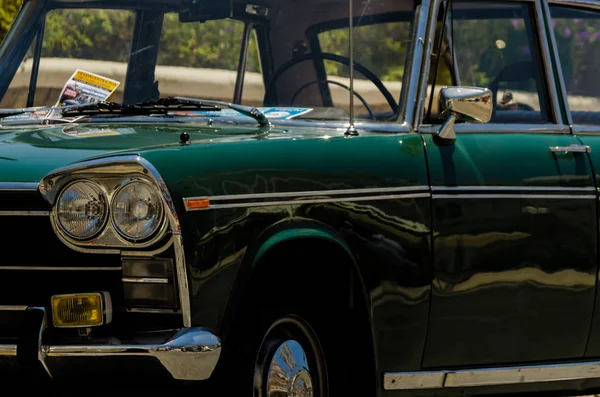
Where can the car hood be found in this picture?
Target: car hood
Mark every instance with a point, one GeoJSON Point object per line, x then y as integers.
{"type": "Point", "coordinates": [29, 153]}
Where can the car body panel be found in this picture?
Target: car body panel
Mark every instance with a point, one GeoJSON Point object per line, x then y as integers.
{"type": "Point", "coordinates": [514, 248]}
{"type": "Point", "coordinates": [389, 236]}
{"type": "Point", "coordinates": [593, 141]}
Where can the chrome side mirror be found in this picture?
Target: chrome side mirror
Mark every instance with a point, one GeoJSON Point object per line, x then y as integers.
{"type": "Point", "coordinates": [464, 104]}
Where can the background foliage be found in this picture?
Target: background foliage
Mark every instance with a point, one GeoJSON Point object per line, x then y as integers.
{"type": "Point", "coordinates": [8, 10]}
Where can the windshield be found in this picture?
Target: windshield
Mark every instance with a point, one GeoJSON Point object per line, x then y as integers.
{"type": "Point", "coordinates": [288, 58]}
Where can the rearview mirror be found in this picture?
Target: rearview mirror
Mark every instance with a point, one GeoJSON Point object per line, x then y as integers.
{"type": "Point", "coordinates": [464, 104]}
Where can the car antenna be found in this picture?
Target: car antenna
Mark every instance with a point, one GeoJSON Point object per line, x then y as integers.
{"type": "Point", "coordinates": [351, 128]}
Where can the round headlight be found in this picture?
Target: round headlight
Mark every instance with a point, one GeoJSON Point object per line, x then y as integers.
{"type": "Point", "coordinates": [137, 210]}
{"type": "Point", "coordinates": [82, 210]}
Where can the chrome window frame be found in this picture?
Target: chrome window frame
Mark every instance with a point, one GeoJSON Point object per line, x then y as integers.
{"type": "Point", "coordinates": [587, 5]}
{"type": "Point", "coordinates": [557, 126]}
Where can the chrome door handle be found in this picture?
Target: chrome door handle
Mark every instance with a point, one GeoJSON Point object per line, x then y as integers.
{"type": "Point", "coordinates": [571, 149]}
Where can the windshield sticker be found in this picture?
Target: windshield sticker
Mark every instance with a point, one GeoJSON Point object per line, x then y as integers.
{"type": "Point", "coordinates": [284, 113]}
{"type": "Point", "coordinates": [85, 87]}
{"type": "Point", "coordinates": [271, 113]}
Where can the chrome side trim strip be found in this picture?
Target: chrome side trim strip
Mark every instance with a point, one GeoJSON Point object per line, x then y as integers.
{"type": "Point", "coordinates": [490, 376]}
{"type": "Point", "coordinates": [313, 201]}
{"type": "Point", "coordinates": [145, 280]}
{"type": "Point", "coordinates": [311, 193]}
{"type": "Point", "coordinates": [151, 310]}
{"type": "Point", "coordinates": [24, 213]}
{"type": "Point", "coordinates": [60, 268]}
{"type": "Point", "coordinates": [13, 308]}
{"type": "Point", "coordinates": [512, 188]}
{"type": "Point", "coordinates": [8, 350]}
{"type": "Point", "coordinates": [513, 196]}
{"type": "Point", "coordinates": [18, 186]}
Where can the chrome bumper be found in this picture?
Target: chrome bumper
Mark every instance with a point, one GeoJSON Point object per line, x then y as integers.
{"type": "Point", "coordinates": [190, 354]}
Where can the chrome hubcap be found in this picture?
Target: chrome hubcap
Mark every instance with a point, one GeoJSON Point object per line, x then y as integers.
{"type": "Point", "coordinates": [289, 374]}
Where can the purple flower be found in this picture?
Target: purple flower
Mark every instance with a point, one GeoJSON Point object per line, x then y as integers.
{"type": "Point", "coordinates": [580, 43]}
{"type": "Point", "coordinates": [229, 29]}
{"type": "Point", "coordinates": [583, 35]}
{"type": "Point", "coordinates": [516, 23]}
{"type": "Point", "coordinates": [553, 23]}
{"type": "Point", "coordinates": [567, 32]}
{"type": "Point", "coordinates": [578, 21]}
{"type": "Point", "coordinates": [525, 50]}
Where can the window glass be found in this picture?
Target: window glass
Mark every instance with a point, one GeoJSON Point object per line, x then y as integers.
{"type": "Point", "coordinates": [577, 35]}
{"type": "Point", "coordinates": [16, 95]}
{"type": "Point", "coordinates": [382, 49]}
{"type": "Point", "coordinates": [495, 47]}
{"type": "Point", "coordinates": [201, 59]}
{"type": "Point", "coordinates": [97, 41]}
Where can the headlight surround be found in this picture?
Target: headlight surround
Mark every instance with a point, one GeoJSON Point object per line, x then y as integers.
{"type": "Point", "coordinates": [82, 210]}
{"type": "Point", "coordinates": [137, 210]}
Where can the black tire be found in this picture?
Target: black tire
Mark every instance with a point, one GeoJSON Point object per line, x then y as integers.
{"type": "Point", "coordinates": [299, 309]}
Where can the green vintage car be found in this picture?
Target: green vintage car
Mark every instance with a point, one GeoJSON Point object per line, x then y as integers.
{"type": "Point", "coordinates": [302, 198]}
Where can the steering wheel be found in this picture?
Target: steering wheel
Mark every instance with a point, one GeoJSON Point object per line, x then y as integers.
{"type": "Point", "coordinates": [360, 97]}
{"type": "Point", "coordinates": [270, 88]}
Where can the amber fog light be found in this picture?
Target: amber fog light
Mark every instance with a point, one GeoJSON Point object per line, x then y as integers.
{"type": "Point", "coordinates": [81, 310]}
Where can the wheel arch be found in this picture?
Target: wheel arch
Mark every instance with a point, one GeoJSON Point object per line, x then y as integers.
{"type": "Point", "coordinates": [293, 236]}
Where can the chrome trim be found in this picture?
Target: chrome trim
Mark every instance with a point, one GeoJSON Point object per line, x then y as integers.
{"type": "Point", "coordinates": [8, 350]}
{"type": "Point", "coordinates": [24, 213]}
{"type": "Point", "coordinates": [512, 188]}
{"type": "Point", "coordinates": [145, 280]}
{"type": "Point", "coordinates": [61, 268]}
{"type": "Point", "coordinates": [190, 354]}
{"type": "Point", "coordinates": [487, 128]}
{"type": "Point", "coordinates": [182, 280]}
{"type": "Point", "coordinates": [312, 201]}
{"type": "Point", "coordinates": [419, 73]}
{"type": "Point", "coordinates": [15, 308]}
{"type": "Point", "coordinates": [546, 63]}
{"type": "Point", "coordinates": [18, 186]}
{"type": "Point", "coordinates": [43, 326]}
{"type": "Point", "coordinates": [576, 3]}
{"type": "Point", "coordinates": [150, 310]}
{"type": "Point", "coordinates": [571, 149]}
{"type": "Point", "coordinates": [513, 196]}
{"type": "Point", "coordinates": [490, 376]}
{"type": "Point", "coordinates": [124, 167]}
{"type": "Point", "coordinates": [309, 193]}
{"type": "Point", "coordinates": [586, 129]}
{"type": "Point", "coordinates": [559, 71]}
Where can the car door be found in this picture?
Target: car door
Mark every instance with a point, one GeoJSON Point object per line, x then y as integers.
{"type": "Point", "coordinates": [513, 205]}
{"type": "Point", "coordinates": [576, 30]}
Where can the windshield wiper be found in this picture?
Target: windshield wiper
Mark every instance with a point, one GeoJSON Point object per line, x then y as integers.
{"type": "Point", "coordinates": [162, 106]}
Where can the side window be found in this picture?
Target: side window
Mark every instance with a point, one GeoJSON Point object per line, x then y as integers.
{"type": "Point", "coordinates": [201, 59]}
{"type": "Point", "coordinates": [577, 35]}
{"type": "Point", "coordinates": [495, 46]}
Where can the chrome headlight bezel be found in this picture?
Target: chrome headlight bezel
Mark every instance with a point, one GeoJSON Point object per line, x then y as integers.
{"type": "Point", "coordinates": [111, 174]}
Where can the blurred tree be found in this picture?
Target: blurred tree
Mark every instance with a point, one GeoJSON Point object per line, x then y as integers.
{"type": "Point", "coordinates": [8, 10]}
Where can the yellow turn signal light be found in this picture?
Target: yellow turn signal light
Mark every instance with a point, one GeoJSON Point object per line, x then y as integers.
{"type": "Point", "coordinates": [81, 310]}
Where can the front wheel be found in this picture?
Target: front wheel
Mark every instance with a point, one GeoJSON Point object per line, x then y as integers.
{"type": "Point", "coordinates": [290, 361]}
